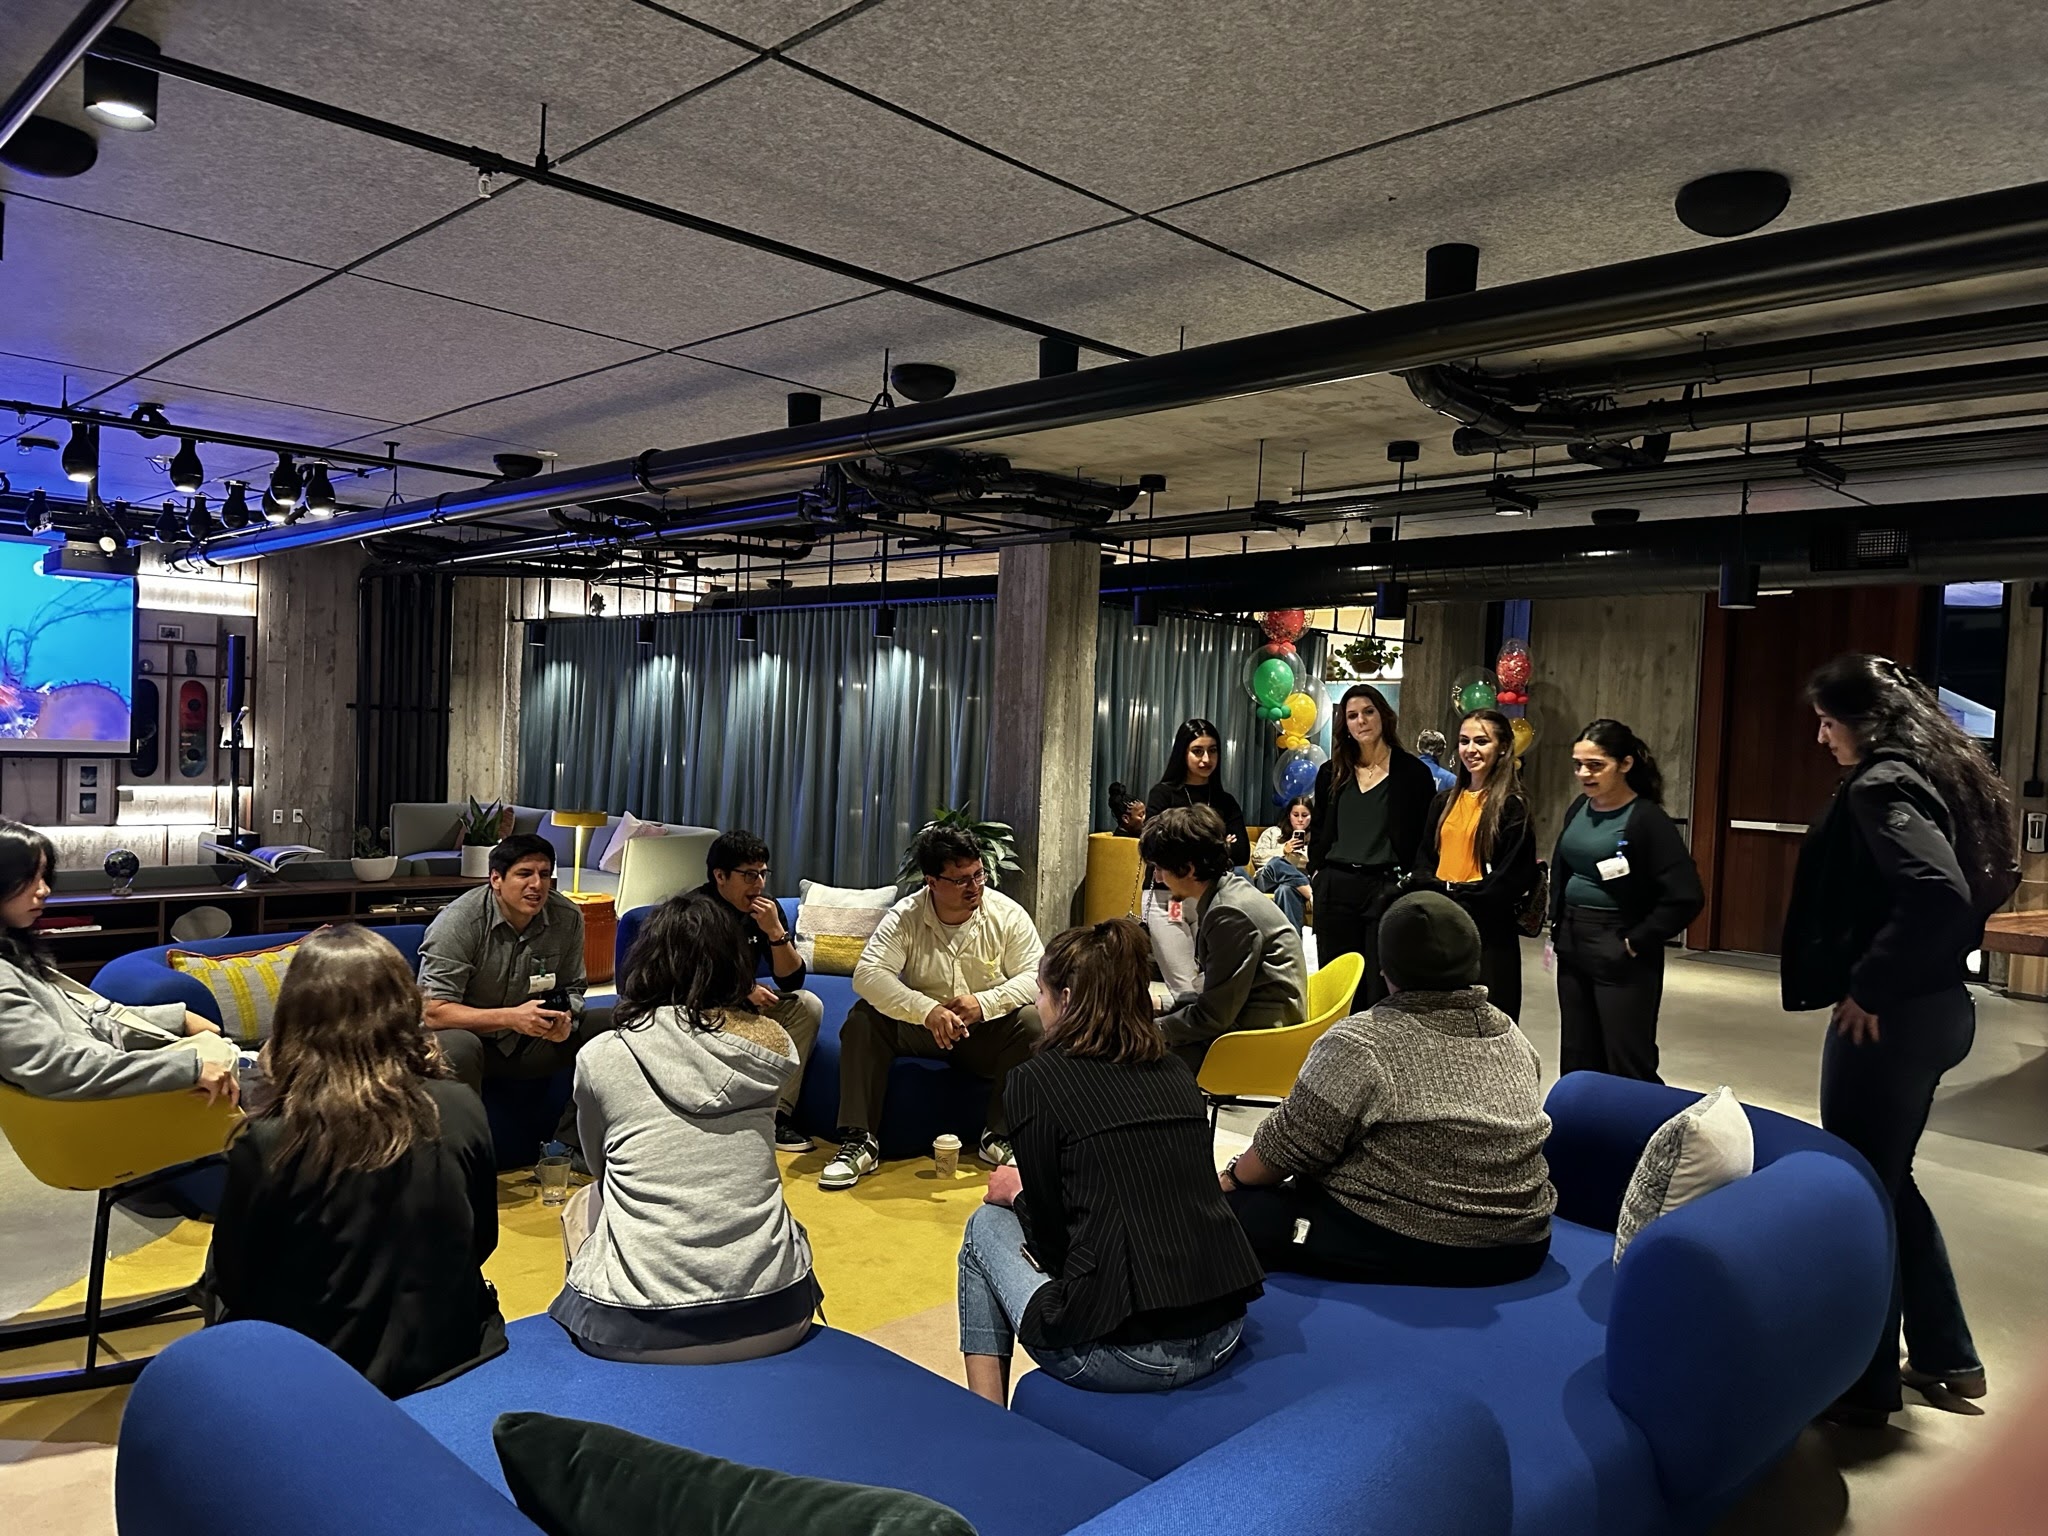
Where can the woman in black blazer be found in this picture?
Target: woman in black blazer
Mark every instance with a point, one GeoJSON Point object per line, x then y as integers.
{"type": "Point", "coordinates": [1892, 891]}
{"type": "Point", "coordinates": [1371, 800]}
{"type": "Point", "coordinates": [1622, 886]}
{"type": "Point", "coordinates": [1107, 1248]}
{"type": "Point", "coordinates": [1479, 848]}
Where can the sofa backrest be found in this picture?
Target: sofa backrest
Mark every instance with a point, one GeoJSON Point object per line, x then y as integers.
{"type": "Point", "coordinates": [1784, 1276]}
{"type": "Point", "coordinates": [367, 1468]}
{"type": "Point", "coordinates": [145, 976]}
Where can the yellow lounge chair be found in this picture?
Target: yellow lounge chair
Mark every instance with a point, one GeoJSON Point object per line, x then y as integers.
{"type": "Point", "coordinates": [1262, 1064]}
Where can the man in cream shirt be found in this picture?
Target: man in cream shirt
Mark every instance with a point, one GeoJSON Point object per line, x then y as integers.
{"type": "Point", "coordinates": [951, 972]}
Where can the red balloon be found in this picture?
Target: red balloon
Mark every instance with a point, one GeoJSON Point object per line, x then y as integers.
{"type": "Point", "coordinates": [1284, 624]}
{"type": "Point", "coordinates": [1284, 647]}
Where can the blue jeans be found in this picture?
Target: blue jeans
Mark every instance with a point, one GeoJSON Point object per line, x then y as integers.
{"type": "Point", "coordinates": [1876, 1098]}
{"type": "Point", "coordinates": [996, 1283]}
{"type": "Point", "coordinates": [1286, 885]}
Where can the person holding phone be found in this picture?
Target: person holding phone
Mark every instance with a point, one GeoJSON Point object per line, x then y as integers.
{"type": "Point", "coordinates": [1280, 861]}
{"type": "Point", "coordinates": [1622, 886]}
{"type": "Point", "coordinates": [1107, 1249]}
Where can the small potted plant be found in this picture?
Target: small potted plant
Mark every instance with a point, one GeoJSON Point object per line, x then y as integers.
{"type": "Point", "coordinates": [371, 862]}
{"type": "Point", "coordinates": [996, 839]}
{"type": "Point", "coordinates": [479, 837]}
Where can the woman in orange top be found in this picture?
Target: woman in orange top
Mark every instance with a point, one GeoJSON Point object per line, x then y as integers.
{"type": "Point", "coordinates": [1479, 848]}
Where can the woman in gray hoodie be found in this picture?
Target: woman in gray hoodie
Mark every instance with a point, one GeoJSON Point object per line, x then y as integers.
{"type": "Point", "coordinates": [692, 1255]}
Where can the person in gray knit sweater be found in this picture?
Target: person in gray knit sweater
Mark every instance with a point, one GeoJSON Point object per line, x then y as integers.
{"type": "Point", "coordinates": [1410, 1151]}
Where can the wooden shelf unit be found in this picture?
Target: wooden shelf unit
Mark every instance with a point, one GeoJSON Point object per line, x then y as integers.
{"type": "Point", "coordinates": [143, 920]}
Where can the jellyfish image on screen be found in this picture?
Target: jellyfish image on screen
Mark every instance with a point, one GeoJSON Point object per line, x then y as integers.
{"type": "Point", "coordinates": [67, 648]}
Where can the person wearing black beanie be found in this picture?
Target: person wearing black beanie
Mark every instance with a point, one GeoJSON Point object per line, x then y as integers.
{"type": "Point", "coordinates": [1410, 1151]}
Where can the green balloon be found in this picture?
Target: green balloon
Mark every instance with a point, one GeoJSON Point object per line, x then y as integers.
{"type": "Point", "coordinates": [1478, 696]}
{"type": "Point", "coordinates": [1272, 682]}
{"type": "Point", "coordinates": [1272, 712]}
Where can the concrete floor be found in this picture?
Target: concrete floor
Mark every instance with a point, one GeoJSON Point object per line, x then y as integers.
{"type": "Point", "coordinates": [1982, 1166]}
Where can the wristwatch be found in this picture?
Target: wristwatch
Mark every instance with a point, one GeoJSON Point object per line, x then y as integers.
{"type": "Point", "coordinates": [1230, 1172]}
{"type": "Point", "coordinates": [785, 939]}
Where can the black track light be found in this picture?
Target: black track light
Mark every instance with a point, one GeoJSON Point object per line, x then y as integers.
{"type": "Point", "coordinates": [1739, 581]}
{"type": "Point", "coordinates": [150, 421]}
{"type": "Point", "coordinates": [37, 518]}
{"type": "Point", "coordinates": [1390, 602]}
{"type": "Point", "coordinates": [112, 538]}
{"type": "Point", "coordinates": [234, 512]}
{"type": "Point", "coordinates": [197, 520]}
{"type": "Point", "coordinates": [187, 473]}
{"type": "Point", "coordinates": [320, 501]}
{"type": "Point", "coordinates": [283, 495]}
{"type": "Point", "coordinates": [644, 637]}
{"type": "Point", "coordinates": [169, 528]}
{"type": "Point", "coordinates": [750, 626]}
{"type": "Point", "coordinates": [81, 456]}
{"type": "Point", "coordinates": [885, 623]}
{"type": "Point", "coordinates": [120, 94]}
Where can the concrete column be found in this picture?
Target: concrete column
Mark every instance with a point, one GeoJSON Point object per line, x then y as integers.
{"type": "Point", "coordinates": [307, 639]}
{"type": "Point", "coordinates": [2025, 975]}
{"type": "Point", "coordinates": [1042, 723]}
{"type": "Point", "coordinates": [483, 694]}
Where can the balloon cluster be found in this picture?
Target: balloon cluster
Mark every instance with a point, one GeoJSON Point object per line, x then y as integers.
{"type": "Point", "coordinates": [1512, 670]}
{"type": "Point", "coordinates": [1503, 686]}
{"type": "Point", "coordinates": [1278, 684]}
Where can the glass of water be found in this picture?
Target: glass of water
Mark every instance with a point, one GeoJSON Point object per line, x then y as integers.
{"type": "Point", "coordinates": [553, 1173]}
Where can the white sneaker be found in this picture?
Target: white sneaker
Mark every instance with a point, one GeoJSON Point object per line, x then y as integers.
{"type": "Point", "coordinates": [857, 1158]}
{"type": "Point", "coordinates": [995, 1151]}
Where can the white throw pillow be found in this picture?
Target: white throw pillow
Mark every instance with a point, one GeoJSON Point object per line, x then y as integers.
{"type": "Point", "coordinates": [1696, 1151]}
{"type": "Point", "coordinates": [834, 924]}
{"type": "Point", "coordinates": [630, 827]}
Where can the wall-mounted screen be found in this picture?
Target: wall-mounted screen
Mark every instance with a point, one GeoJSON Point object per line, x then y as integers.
{"type": "Point", "coordinates": [67, 657]}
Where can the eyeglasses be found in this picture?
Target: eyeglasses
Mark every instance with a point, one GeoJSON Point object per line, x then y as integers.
{"type": "Point", "coordinates": [753, 876]}
{"type": "Point", "coordinates": [973, 882]}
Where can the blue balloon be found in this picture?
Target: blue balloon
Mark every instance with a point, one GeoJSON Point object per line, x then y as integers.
{"type": "Point", "coordinates": [1298, 778]}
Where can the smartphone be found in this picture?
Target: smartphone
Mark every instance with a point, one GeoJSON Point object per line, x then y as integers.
{"type": "Point", "coordinates": [1030, 1257]}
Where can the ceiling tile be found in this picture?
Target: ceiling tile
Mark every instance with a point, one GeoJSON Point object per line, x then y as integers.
{"type": "Point", "coordinates": [560, 258]}
{"type": "Point", "coordinates": [762, 21]}
{"type": "Point", "coordinates": [354, 345]}
{"type": "Point", "coordinates": [1155, 100]}
{"type": "Point", "coordinates": [475, 71]}
{"type": "Point", "coordinates": [103, 293]}
{"type": "Point", "coordinates": [1882, 109]}
{"type": "Point", "coordinates": [783, 155]}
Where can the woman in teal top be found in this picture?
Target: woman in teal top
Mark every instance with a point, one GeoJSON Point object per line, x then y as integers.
{"type": "Point", "coordinates": [1622, 885]}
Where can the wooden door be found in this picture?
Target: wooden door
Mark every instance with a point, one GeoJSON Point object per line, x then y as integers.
{"type": "Point", "coordinates": [1762, 777]}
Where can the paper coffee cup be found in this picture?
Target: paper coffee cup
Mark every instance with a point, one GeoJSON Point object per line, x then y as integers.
{"type": "Point", "coordinates": [946, 1153]}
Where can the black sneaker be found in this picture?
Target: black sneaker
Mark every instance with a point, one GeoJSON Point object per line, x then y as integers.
{"type": "Point", "coordinates": [788, 1138]}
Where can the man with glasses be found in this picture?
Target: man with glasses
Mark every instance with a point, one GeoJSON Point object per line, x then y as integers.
{"type": "Point", "coordinates": [951, 973]}
{"type": "Point", "coordinates": [738, 865]}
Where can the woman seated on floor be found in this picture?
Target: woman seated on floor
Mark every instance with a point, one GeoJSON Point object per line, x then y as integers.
{"type": "Point", "coordinates": [362, 1202]}
{"type": "Point", "coordinates": [61, 1040]}
{"type": "Point", "coordinates": [691, 1256]}
{"type": "Point", "coordinates": [1410, 1151]}
{"type": "Point", "coordinates": [1106, 1249]}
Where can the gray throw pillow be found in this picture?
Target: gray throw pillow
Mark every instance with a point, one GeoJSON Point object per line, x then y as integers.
{"type": "Point", "coordinates": [1703, 1146]}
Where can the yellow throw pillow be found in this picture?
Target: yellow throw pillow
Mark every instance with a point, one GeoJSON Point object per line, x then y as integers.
{"type": "Point", "coordinates": [833, 924]}
{"type": "Point", "coordinates": [245, 985]}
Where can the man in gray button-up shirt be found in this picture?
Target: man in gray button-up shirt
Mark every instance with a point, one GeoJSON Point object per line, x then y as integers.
{"type": "Point", "coordinates": [502, 970]}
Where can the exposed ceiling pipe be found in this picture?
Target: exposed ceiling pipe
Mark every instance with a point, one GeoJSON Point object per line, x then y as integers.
{"type": "Point", "coordinates": [541, 173]}
{"type": "Point", "coordinates": [1941, 242]}
{"type": "Point", "coordinates": [56, 63]}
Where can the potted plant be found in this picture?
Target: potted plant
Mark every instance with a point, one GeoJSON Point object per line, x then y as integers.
{"type": "Point", "coordinates": [371, 862]}
{"type": "Point", "coordinates": [996, 839]}
{"type": "Point", "coordinates": [479, 837]}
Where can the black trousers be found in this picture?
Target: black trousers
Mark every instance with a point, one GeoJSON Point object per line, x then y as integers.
{"type": "Point", "coordinates": [473, 1057]}
{"type": "Point", "coordinates": [1349, 904]}
{"type": "Point", "coordinates": [869, 1041]}
{"type": "Point", "coordinates": [1876, 1096]}
{"type": "Point", "coordinates": [1500, 953]}
{"type": "Point", "coordinates": [1339, 1244]}
{"type": "Point", "coordinates": [1607, 999]}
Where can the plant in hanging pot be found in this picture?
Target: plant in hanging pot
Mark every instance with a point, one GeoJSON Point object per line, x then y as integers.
{"type": "Point", "coordinates": [371, 862]}
{"type": "Point", "coordinates": [480, 835]}
{"type": "Point", "coordinates": [996, 839]}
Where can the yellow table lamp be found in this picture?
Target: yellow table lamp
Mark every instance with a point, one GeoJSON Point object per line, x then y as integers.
{"type": "Point", "coordinates": [582, 821]}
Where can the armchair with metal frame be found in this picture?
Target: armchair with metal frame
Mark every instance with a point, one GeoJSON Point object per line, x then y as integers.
{"type": "Point", "coordinates": [115, 1148]}
{"type": "Point", "coordinates": [1260, 1065]}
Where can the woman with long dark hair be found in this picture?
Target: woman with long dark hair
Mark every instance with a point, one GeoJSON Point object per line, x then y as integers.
{"type": "Point", "coordinates": [1622, 886]}
{"type": "Point", "coordinates": [1193, 776]}
{"type": "Point", "coordinates": [692, 1256]}
{"type": "Point", "coordinates": [1894, 884]}
{"type": "Point", "coordinates": [1479, 848]}
{"type": "Point", "coordinates": [362, 1202]}
{"type": "Point", "coordinates": [1371, 799]}
{"type": "Point", "coordinates": [1107, 1247]}
{"type": "Point", "coordinates": [1280, 860]}
{"type": "Point", "coordinates": [62, 1040]}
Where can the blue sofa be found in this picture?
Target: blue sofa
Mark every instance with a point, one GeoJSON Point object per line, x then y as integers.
{"type": "Point", "coordinates": [522, 1114]}
{"type": "Point", "coordinates": [1590, 1399]}
{"type": "Point", "coordinates": [926, 1098]}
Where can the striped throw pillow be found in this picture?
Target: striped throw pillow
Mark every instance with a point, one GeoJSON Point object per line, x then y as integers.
{"type": "Point", "coordinates": [833, 924]}
{"type": "Point", "coordinates": [245, 986]}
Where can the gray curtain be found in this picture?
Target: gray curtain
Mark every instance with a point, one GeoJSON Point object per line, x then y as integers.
{"type": "Point", "coordinates": [1147, 681]}
{"type": "Point", "coordinates": [829, 743]}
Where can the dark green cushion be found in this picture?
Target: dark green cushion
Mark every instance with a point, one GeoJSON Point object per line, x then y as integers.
{"type": "Point", "coordinates": [574, 1478]}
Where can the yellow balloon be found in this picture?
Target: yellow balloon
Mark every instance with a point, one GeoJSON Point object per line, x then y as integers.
{"type": "Point", "coordinates": [1525, 735]}
{"type": "Point", "coordinates": [1290, 742]}
{"type": "Point", "coordinates": [1301, 714]}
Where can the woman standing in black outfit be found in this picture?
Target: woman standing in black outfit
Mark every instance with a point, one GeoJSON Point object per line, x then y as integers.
{"type": "Point", "coordinates": [1891, 896]}
{"type": "Point", "coordinates": [1371, 799]}
{"type": "Point", "coordinates": [1479, 848]}
{"type": "Point", "coordinates": [1194, 776]}
{"type": "Point", "coordinates": [1622, 886]}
